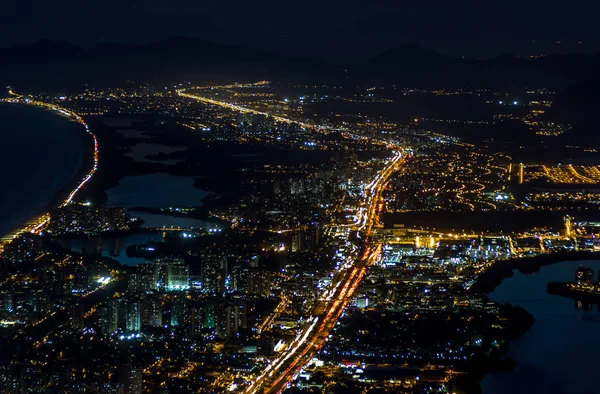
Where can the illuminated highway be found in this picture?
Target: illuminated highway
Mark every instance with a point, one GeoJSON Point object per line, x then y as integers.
{"type": "Point", "coordinates": [578, 176]}
{"type": "Point", "coordinates": [235, 107]}
{"type": "Point", "coordinates": [331, 304]}
{"type": "Point", "coordinates": [280, 308]}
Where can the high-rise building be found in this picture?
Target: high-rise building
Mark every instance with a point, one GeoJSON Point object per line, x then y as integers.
{"type": "Point", "coordinates": [259, 282]}
{"type": "Point", "coordinates": [143, 279]}
{"type": "Point", "coordinates": [80, 282]}
{"type": "Point", "coordinates": [8, 301]}
{"type": "Point", "coordinates": [108, 388]}
{"type": "Point", "coordinates": [178, 276]}
{"type": "Point", "coordinates": [178, 312]}
{"type": "Point", "coordinates": [75, 316]}
{"type": "Point", "coordinates": [297, 241]}
{"type": "Point", "coordinates": [109, 317]}
{"type": "Point", "coordinates": [151, 312]}
{"type": "Point", "coordinates": [297, 186]}
{"type": "Point", "coordinates": [239, 282]}
{"type": "Point", "coordinates": [172, 274]}
{"type": "Point", "coordinates": [307, 286]}
{"type": "Point", "coordinates": [231, 318]}
{"type": "Point", "coordinates": [312, 237]}
{"type": "Point", "coordinates": [307, 239]}
{"type": "Point", "coordinates": [584, 276]}
{"type": "Point", "coordinates": [196, 316]}
{"type": "Point", "coordinates": [211, 314]}
{"type": "Point", "coordinates": [250, 279]}
{"type": "Point", "coordinates": [131, 379]}
{"type": "Point", "coordinates": [133, 319]}
{"type": "Point", "coordinates": [214, 273]}
{"type": "Point", "coordinates": [33, 380]}
{"type": "Point", "coordinates": [77, 218]}
{"type": "Point", "coordinates": [160, 272]}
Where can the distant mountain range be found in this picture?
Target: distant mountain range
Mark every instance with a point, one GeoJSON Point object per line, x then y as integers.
{"type": "Point", "coordinates": [579, 103]}
{"type": "Point", "coordinates": [411, 65]}
{"type": "Point", "coordinates": [579, 106]}
{"type": "Point", "coordinates": [58, 65]}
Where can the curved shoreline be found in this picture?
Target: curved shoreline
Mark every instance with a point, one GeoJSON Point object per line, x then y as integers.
{"type": "Point", "coordinates": [565, 289]}
{"type": "Point", "coordinates": [489, 280]}
{"type": "Point", "coordinates": [504, 269]}
{"type": "Point", "coordinates": [530, 292]}
{"type": "Point", "coordinates": [39, 222]}
{"type": "Point", "coordinates": [494, 276]}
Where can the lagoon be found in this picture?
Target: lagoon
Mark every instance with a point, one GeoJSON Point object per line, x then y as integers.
{"type": "Point", "coordinates": [558, 353]}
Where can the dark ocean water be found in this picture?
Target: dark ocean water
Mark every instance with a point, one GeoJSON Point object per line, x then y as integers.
{"type": "Point", "coordinates": [41, 153]}
{"type": "Point", "coordinates": [559, 354]}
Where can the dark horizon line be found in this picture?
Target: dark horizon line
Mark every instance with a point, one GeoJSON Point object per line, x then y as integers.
{"type": "Point", "coordinates": [230, 45]}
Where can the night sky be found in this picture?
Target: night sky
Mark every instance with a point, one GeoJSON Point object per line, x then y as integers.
{"type": "Point", "coordinates": [338, 31]}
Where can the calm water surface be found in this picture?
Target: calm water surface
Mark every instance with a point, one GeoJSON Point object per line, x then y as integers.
{"type": "Point", "coordinates": [158, 191]}
{"type": "Point", "coordinates": [41, 153]}
{"type": "Point", "coordinates": [155, 191]}
{"type": "Point", "coordinates": [152, 191]}
{"type": "Point", "coordinates": [560, 352]}
{"type": "Point", "coordinates": [113, 247]}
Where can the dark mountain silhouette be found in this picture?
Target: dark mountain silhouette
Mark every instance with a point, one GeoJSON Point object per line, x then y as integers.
{"type": "Point", "coordinates": [44, 48]}
{"type": "Point", "coordinates": [59, 66]}
{"type": "Point", "coordinates": [410, 65]}
{"type": "Point", "coordinates": [414, 66]}
{"type": "Point", "coordinates": [579, 106]}
{"type": "Point", "coordinates": [410, 56]}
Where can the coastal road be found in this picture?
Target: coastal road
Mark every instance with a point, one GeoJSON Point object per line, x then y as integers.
{"type": "Point", "coordinates": [38, 224]}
